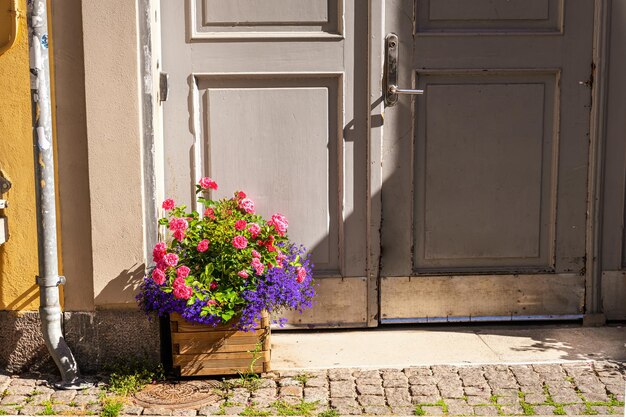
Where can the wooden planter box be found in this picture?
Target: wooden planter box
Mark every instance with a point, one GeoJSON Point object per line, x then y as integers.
{"type": "Point", "coordinates": [206, 350]}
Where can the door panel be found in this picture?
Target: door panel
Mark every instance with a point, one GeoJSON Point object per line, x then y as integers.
{"type": "Point", "coordinates": [265, 97]}
{"type": "Point", "coordinates": [485, 175]}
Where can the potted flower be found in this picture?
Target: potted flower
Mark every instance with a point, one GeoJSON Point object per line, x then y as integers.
{"type": "Point", "coordinates": [218, 276]}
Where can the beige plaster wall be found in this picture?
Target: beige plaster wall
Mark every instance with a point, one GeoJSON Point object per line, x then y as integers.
{"type": "Point", "coordinates": [72, 167]}
{"type": "Point", "coordinates": [114, 153]}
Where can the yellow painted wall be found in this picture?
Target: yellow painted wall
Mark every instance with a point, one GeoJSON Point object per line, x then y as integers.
{"type": "Point", "coordinates": [18, 256]}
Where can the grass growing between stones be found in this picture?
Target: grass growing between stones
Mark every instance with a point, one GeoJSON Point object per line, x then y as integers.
{"type": "Point", "coordinates": [527, 408]}
{"type": "Point", "coordinates": [331, 412]}
{"type": "Point", "coordinates": [302, 378]}
{"type": "Point", "coordinates": [111, 407]}
{"type": "Point", "coordinates": [303, 408]}
{"type": "Point", "coordinates": [129, 378]}
{"type": "Point", "coordinates": [253, 411]}
{"type": "Point", "coordinates": [419, 410]}
{"type": "Point", "coordinates": [3, 413]}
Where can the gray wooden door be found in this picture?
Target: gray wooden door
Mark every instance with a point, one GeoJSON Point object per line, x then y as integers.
{"type": "Point", "coordinates": [269, 97]}
{"type": "Point", "coordinates": [484, 187]}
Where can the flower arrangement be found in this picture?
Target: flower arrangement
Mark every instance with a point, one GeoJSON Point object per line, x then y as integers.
{"type": "Point", "coordinates": [228, 264]}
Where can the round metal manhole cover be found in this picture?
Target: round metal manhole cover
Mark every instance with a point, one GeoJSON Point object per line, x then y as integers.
{"type": "Point", "coordinates": [179, 394]}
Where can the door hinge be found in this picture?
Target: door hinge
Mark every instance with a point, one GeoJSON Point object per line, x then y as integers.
{"type": "Point", "coordinates": [164, 87]}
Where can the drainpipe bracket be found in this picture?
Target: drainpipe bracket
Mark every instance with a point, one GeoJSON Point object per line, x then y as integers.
{"type": "Point", "coordinates": [41, 281]}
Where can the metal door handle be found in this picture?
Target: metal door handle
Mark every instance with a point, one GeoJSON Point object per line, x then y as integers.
{"type": "Point", "coordinates": [393, 89]}
{"type": "Point", "coordinates": [391, 72]}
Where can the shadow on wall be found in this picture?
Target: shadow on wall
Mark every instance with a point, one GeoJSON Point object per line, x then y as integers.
{"type": "Point", "coordinates": [122, 289]}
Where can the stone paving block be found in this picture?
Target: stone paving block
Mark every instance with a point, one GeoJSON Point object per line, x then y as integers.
{"type": "Point", "coordinates": [369, 389]}
{"type": "Point", "coordinates": [478, 400]}
{"type": "Point", "coordinates": [32, 410]}
{"type": "Point", "coordinates": [532, 389]}
{"type": "Point", "coordinates": [264, 392]}
{"type": "Point", "coordinates": [369, 381]}
{"type": "Point", "coordinates": [535, 398]}
{"type": "Point", "coordinates": [615, 389]}
{"type": "Point", "coordinates": [432, 410]}
{"type": "Point", "coordinates": [600, 409]}
{"type": "Point", "coordinates": [460, 410]}
{"type": "Point", "coordinates": [289, 391]}
{"type": "Point", "coordinates": [13, 400]}
{"type": "Point", "coordinates": [417, 371]}
{"type": "Point", "coordinates": [424, 390]}
{"type": "Point", "coordinates": [263, 401]}
{"type": "Point", "coordinates": [587, 388]}
{"type": "Point", "coordinates": [39, 398]}
{"type": "Point", "coordinates": [574, 409]}
{"type": "Point", "coordinates": [489, 410]}
{"type": "Point", "coordinates": [316, 394]}
{"type": "Point", "coordinates": [210, 410]}
{"type": "Point", "coordinates": [398, 397]}
{"type": "Point", "coordinates": [20, 389]}
{"type": "Point", "coordinates": [511, 409]}
{"type": "Point", "coordinates": [132, 410]}
{"type": "Point", "coordinates": [342, 389]}
{"type": "Point", "coordinates": [505, 392]}
{"type": "Point", "coordinates": [291, 400]}
{"type": "Point", "coordinates": [155, 411]}
{"type": "Point", "coordinates": [340, 375]}
{"type": "Point", "coordinates": [394, 376]}
{"type": "Point", "coordinates": [451, 391]}
{"type": "Point", "coordinates": [267, 383]}
{"type": "Point", "coordinates": [94, 408]}
{"type": "Point", "coordinates": [367, 374]}
{"type": "Point", "coordinates": [507, 400]}
{"type": "Point", "coordinates": [596, 396]}
{"type": "Point", "coordinates": [402, 411]}
{"type": "Point", "coordinates": [316, 382]}
{"type": "Point", "coordinates": [543, 410]}
{"type": "Point", "coordinates": [367, 400]}
{"type": "Point", "coordinates": [566, 397]}
{"type": "Point", "coordinates": [396, 383]}
{"type": "Point", "coordinates": [289, 382]}
{"type": "Point", "coordinates": [422, 380]}
{"type": "Point", "coordinates": [377, 410]}
{"type": "Point", "coordinates": [23, 380]}
{"type": "Point", "coordinates": [346, 406]}
{"type": "Point", "coordinates": [184, 412]}
{"type": "Point", "coordinates": [483, 390]}
{"type": "Point", "coordinates": [232, 410]}
{"type": "Point", "coordinates": [60, 408]}
{"type": "Point", "coordinates": [63, 396]}
{"type": "Point", "coordinates": [425, 399]}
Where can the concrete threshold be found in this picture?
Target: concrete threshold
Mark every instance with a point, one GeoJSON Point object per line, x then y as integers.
{"type": "Point", "coordinates": [404, 346]}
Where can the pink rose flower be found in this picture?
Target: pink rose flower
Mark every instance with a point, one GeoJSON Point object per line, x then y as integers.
{"type": "Point", "coordinates": [210, 213]}
{"type": "Point", "coordinates": [280, 223]}
{"type": "Point", "coordinates": [176, 223]}
{"type": "Point", "coordinates": [240, 224]}
{"type": "Point", "coordinates": [207, 182]}
{"type": "Point", "coordinates": [159, 251]}
{"type": "Point", "coordinates": [179, 235]}
{"type": "Point", "coordinates": [170, 259]}
{"type": "Point", "coordinates": [247, 205]}
{"type": "Point", "coordinates": [240, 242]}
{"type": "Point", "coordinates": [256, 262]}
{"type": "Point", "coordinates": [168, 204]}
{"type": "Point", "coordinates": [183, 292]}
{"type": "Point", "coordinates": [182, 272]}
{"type": "Point", "coordinates": [213, 285]}
{"type": "Point", "coordinates": [158, 276]}
{"type": "Point", "coordinates": [243, 273]}
{"type": "Point", "coordinates": [280, 258]}
{"type": "Point", "coordinates": [255, 254]}
{"type": "Point", "coordinates": [254, 230]}
{"type": "Point", "coordinates": [260, 269]}
{"type": "Point", "coordinates": [241, 195]}
{"type": "Point", "coordinates": [211, 302]}
{"type": "Point", "coordinates": [203, 245]}
{"type": "Point", "coordinates": [301, 274]}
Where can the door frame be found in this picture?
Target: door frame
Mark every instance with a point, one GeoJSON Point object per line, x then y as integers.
{"type": "Point", "coordinates": [149, 33]}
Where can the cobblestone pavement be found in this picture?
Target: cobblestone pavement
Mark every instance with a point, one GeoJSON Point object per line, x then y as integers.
{"type": "Point", "coordinates": [545, 389]}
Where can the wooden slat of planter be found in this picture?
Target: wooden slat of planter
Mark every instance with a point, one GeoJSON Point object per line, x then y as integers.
{"type": "Point", "coordinates": [205, 371]}
{"type": "Point", "coordinates": [196, 348]}
{"type": "Point", "coordinates": [180, 325]}
{"type": "Point", "coordinates": [227, 364]}
{"type": "Point", "coordinates": [213, 336]}
{"type": "Point", "coordinates": [219, 357]}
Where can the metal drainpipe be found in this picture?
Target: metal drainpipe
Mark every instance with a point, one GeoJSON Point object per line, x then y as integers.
{"type": "Point", "coordinates": [49, 279]}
